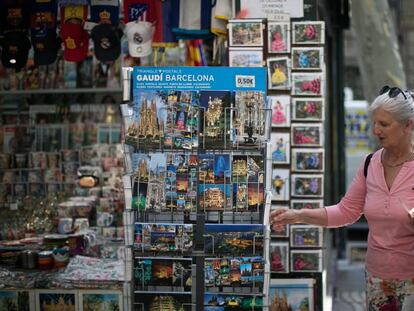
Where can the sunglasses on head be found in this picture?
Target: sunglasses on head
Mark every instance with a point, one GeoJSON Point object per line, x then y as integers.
{"type": "Point", "coordinates": [392, 91]}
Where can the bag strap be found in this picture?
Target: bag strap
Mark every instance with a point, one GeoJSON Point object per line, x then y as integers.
{"type": "Point", "coordinates": [367, 161]}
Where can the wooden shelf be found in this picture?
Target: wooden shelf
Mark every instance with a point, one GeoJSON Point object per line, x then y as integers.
{"type": "Point", "coordinates": [62, 91]}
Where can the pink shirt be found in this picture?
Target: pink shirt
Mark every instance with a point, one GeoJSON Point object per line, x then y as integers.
{"type": "Point", "coordinates": [391, 235]}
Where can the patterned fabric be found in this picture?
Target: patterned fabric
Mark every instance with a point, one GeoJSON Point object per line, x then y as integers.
{"type": "Point", "coordinates": [387, 295]}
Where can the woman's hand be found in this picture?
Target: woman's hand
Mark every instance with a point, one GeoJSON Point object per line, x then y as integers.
{"type": "Point", "coordinates": [281, 217]}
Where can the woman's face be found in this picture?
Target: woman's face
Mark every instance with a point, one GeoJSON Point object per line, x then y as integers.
{"type": "Point", "coordinates": [389, 131]}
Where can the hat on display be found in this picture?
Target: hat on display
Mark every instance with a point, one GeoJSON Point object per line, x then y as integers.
{"type": "Point", "coordinates": [15, 50]}
{"type": "Point", "coordinates": [46, 49]}
{"type": "Point", "coordinates": [107, 42]}
{"type": "Point", "coordinates": [74, 37]}
{"type": "Point", "coordinates": [139, 35]}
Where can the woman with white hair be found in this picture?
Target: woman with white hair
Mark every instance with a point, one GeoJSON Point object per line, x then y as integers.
{"type": "Point", "coordinates": [382, 190]}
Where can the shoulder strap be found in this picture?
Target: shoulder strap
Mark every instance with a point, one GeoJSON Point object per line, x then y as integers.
{"type": "Point", "coordinates": [367, 160]}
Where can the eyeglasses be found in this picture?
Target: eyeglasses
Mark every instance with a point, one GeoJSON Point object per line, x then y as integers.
{"type": "Point", "coordinates": [392, 91]}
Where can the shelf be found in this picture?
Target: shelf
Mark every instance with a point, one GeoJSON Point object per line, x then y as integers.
{"type": "Point", "coordinates": [62, 91]}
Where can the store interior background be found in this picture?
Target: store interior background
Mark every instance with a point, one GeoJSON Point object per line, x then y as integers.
{"type": "Point", "coordinates": [349, 94]}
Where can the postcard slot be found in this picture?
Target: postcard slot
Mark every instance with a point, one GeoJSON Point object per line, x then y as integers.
{"type": "Point", "coordinates": [204, 126]}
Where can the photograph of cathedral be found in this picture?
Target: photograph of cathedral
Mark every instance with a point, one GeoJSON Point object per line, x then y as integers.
{"type": "Point", "coordinates": [291, 294]}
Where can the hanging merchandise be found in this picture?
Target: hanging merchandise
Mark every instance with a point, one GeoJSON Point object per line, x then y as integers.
{"type": "Point", "coordinates": [139, 35]}
{"type": "Point", "coordinates": [15, 50]}
{"type": "Point", "coordinates": [14, 16]}
{"type": "Point", "coordinates": [195, 19]}
{"type": "Point", "coordinates": [72, 2]}
{"type": "Point", "coordinates": [105, 12]}
{"type": "Point", "coordinates": [74, 37]}
{"type": "Point", "coordinates": [107, 42]}
{"type": "Point", "coordinates": [221, 13]}
{"type": "Point", "coordinates": [45, 42]}
{"type": "Point", "coordinates": [163, 14]}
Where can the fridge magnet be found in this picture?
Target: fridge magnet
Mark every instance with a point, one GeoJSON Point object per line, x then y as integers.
{"type": "Point", "coordinates": [309, 204]}
{"type": "Point", "coordinates": [242, 239]}
{"type": "Point", "coordinates": [281, 231]}
{"type": "Point", "coordinates": [90, 300]}
{"type": "Point", "coordinates": [280, 184]}
{"type": "Point", "coordinates": [20, 300]}
{"type": "Point", "coordinates": [307, 58]}
{"type": "Point", "coordinates": [307, 84]}
{"type": "Point", "coordinates": [245, 57]}
{"type": "Point", "coordinates": [308, 33]}
{"type": "Point", "coordinates": [278, 69]}
{"type": "Point", "coordinates": [297, 294]}
{"type": "Point", "coordinates": [308, 160]}
{"type": "Point", "coordinates": [306, 260]}
{"type": "Point", "coordinates": [278, 37]}
{"type": "Point", "coordinates": [356, 252]}
{"type": "Point", "coordinates": [248, 120]}
{"type": "Point", "coordinates": [279, 257]}
{"type": "Point", "coordinates": [215, 113]}
{"type": "Point", "coordinates": [307, 185]}
{"type": "Point", "coordinates": [56, 300]}
{"type": "Point", "coordinates": [306, 236]}
{"type": "Point", "coordinates": [280, 106]}
{"type": "Point", "coordinates": [245, 32]}
{"type": "Point", "coordinates": [307, 134]}
{"type": "Point", "coordinates": [308, 109]}
{"type": "Point", "coordinates": [280, 147]}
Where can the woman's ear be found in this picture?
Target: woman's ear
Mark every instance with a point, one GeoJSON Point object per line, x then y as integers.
{"type": "Point", "coordinates": [410, 125]}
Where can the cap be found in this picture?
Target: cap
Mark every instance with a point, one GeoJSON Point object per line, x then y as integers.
{"type": "Point", "coordinates": [139, 35]}
{"type": "Point", "coordinates": [15, 50]}
{"type": "Point", "coordinates": [45, 48]}
{"type": "Point", "coordinates": [107, 42]}
{"type": "Point", "coordinates": [76, 42]}
{"type": "Point", "coordinates": [14, 15]}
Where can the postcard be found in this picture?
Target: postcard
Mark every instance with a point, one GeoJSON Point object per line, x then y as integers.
{"type": "Point", "coordinates": [308, 84]}
{"type": "Point", "coordinates": [248, 120]}
{"type": "Point", "coordinates": [280, 147]}
{"type": "Point", "coordinates": [282, 231]}
{"type": "Point", "coordinates": [296, 293]}
{"type": "Point", "coordinates": [215, 197]}
{"type": "Point", "coordinates": [279, 257]}
{"type": "Point", "coordinates": [308, 109]}
{"type": "Point", "coordinates": [306, 260]}
{"type": "Point", "coordinates": [240, 197]}
{"type": "Point", "coordinates": [307, 58]}
{"type": "Point", "coordinates": [278, 37]}
{"type": "Point", "coordinates": [239, 170]}
{"type": "Point", "coordinates": [278, 69]}
{"type": "Point", "coordinates": [307, 185]}
{"type": "Point", "coordinates": [242, 239]}
{"type": "Point", "coordinates": [280, 110]}
{"type": "Point", "coordinates": [90, 300]}
{"type": "Point", "coordinates": [245, 32]}
{"type": "Point", "coordinates": [307, 160]}
{"type": "Point", "coordinates": [215, 113]}
{"type": "Point", "coordinates": [280, 184]}
{"type": "Point", "coordinates": [246, 57]}
{"type": "Point", "coordinates": [308, 32]}
{"type": "Point", "coordinates": [310, 204]}
{"type": "Point", "coordinates": [221, 302]}
{"type": "Point", "coordinates": [306, 236]}
{"type": "Point", "coordinates": [50, 299]}
{"type": "Point", "coordinates": [307, 134]}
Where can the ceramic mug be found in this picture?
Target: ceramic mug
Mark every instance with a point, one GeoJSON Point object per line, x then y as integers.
{"type": "Point", "coordinates": [65, 225]}
{"type": "Point", "coordinates": [104, 219]}
{"type": "Point", "coordinates": [81, 224]}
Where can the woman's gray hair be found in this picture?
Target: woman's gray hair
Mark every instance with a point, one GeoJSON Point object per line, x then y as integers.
{"type": "Point", "coordinates": [400, 108]}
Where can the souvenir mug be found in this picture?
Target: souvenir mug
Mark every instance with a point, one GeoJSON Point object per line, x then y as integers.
{"type": "Point", "coordinates": [81, 224]}
{"type": "Point", "coordinates": [65, 225]}
{"type": "Point", "coordinates": [45, 260]}
{"type": "Point", "coordinates": [61, 256]}
{"type": "Point", "coordinates": [104, 219]}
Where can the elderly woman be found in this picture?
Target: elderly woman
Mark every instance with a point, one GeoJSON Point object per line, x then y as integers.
{"type": "Point", "coordinates": [385, 196]}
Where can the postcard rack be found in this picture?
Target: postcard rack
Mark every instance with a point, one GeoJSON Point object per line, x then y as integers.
{"type": "Point", "coordinates": [196, 186]}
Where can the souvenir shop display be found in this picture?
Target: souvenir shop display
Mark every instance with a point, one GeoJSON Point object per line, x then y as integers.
{"type": "Point", "coordinates": [187, 133]}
